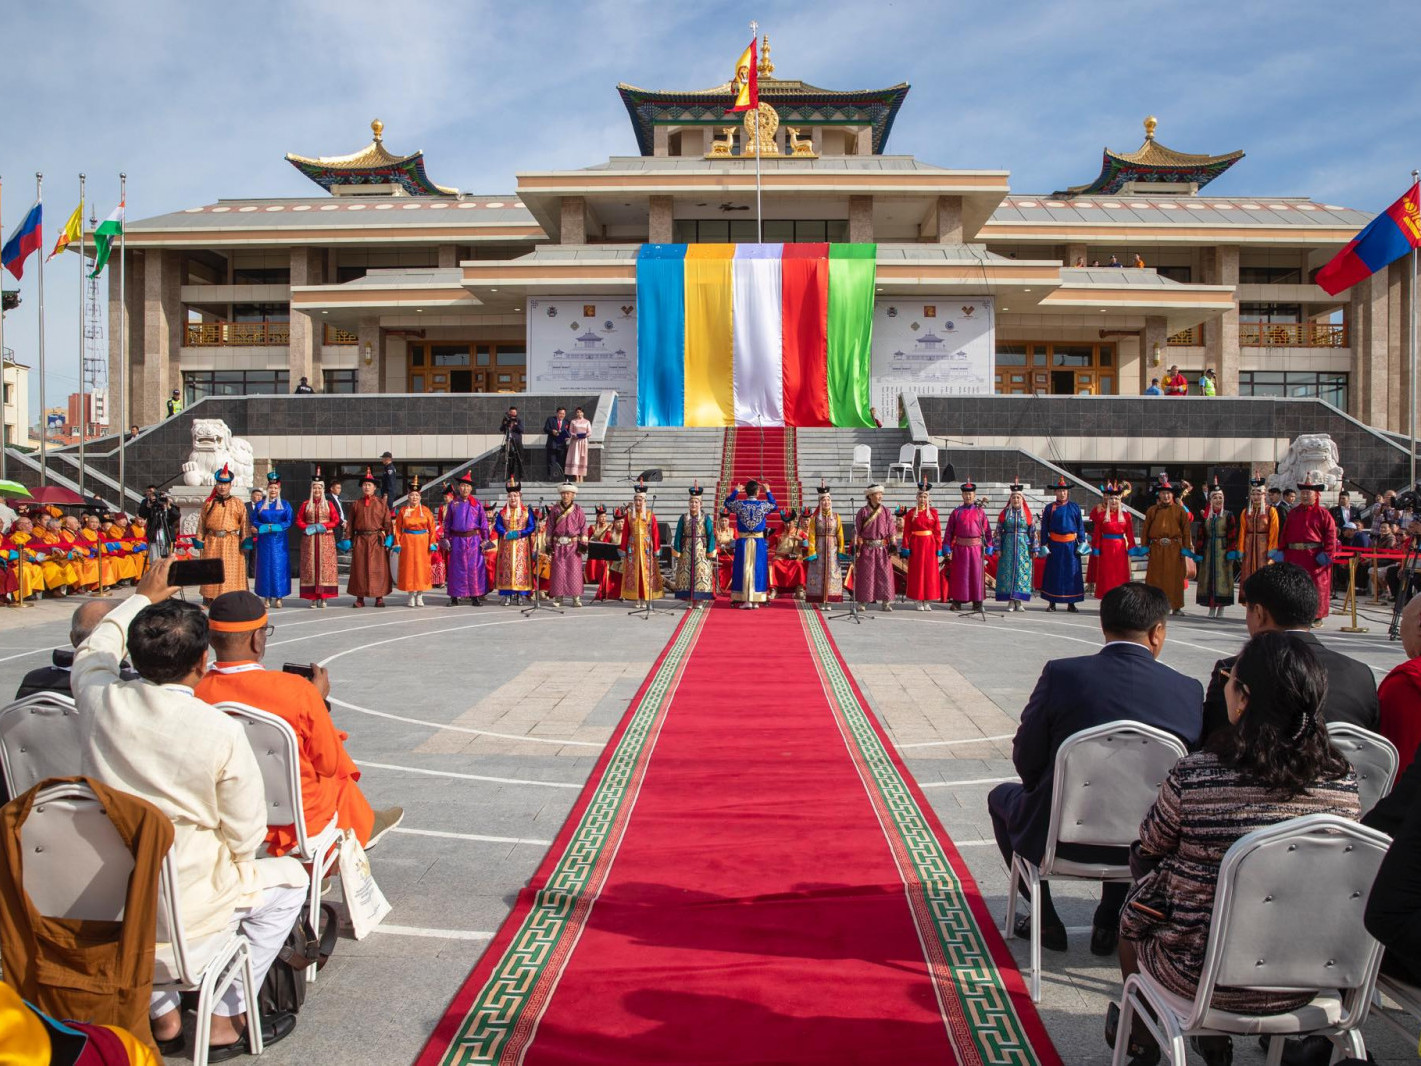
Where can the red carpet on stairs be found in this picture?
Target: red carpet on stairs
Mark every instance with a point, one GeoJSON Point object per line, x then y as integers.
{"type": "Point", "coordinates": [766, 455]}
{"type": "Point", "coordinates": [749, 876]}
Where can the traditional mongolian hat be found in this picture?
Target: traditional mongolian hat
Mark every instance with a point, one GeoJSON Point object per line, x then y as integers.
{"type": "Point", "coordinates": [601, 508]}
{"type": "Point", "coordinates": [823, 489]}
{"type": "Point", "coordinates": [1112, 488]}
{"type": "Point", "coordinates": [272, 477]}
{"type": "Point", "coordinates": [568, 486]}
{"type": "Point", "coordinates": [514, 485]}
{"type": "Point", "coordinates": [1162, 484]}
{"type": "Point", "coordinates": [224, 476]}
{"type": "Point", "coordinates": [236, 612]}
{"type": "Point", "coordinates": [368, 476]}
{"type": "Point", "coordinates": [924, 485]}
{"type": "Point", "coordinates": [414, 484]}
{"type": "Point", "coordinates": [968, 485]}
{"type": "Point", "coordinates": [1313, 481]}
{"type": "Point", "coordinates": [871, 489]}
{"type": "Point", "coordinates": [620, 512]}
{"type": "Point", "coordinates": [1061, 482]}
{"type": "Point", "coordinates": [1016, 485]}
{"type": "Point", "coordinates": [899, 512]}
{"type": "Point", "coordinates": [790, 515]}
{"type": "Point", "coordinates": [640, 487]}
{"type": "Point", "coordinates": [316, 478]}
{"type": "Point", "coordinates": [467, 479]}
{"type": "Point", "coordinates": [696, 489]}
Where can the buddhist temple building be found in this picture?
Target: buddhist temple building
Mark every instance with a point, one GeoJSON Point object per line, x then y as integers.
{"type": "Point", "coordinates": [383, 281]}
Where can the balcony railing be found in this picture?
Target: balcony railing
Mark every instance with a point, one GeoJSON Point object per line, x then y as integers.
{"type": "Point", "coordinates": [235, 334]}
{"type": "Point", "coordinates": [336, 335]}
{"type": "Point", "coordinates": [1292, 334]}
{"type": "Point", "coordinates": [1191, 337]}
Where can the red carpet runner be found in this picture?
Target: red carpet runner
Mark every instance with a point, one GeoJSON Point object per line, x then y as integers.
{"type": "Point", "coordinates": [749, 876]}
{"type": "Point", "coordinates": [767, 454]}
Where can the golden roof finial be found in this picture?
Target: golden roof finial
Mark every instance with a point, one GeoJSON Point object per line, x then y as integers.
{"type": "Point", "coordinates": [767, 65]}
{"type": "Point", "coordinates": [378, 128]}
{"type": "Point", "coordinates": [1150, 123]}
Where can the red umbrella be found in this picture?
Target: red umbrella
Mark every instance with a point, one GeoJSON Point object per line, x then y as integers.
{"type": "Point", "coordinates": [55, 494]}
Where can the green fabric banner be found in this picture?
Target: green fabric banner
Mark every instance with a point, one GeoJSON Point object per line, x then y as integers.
{"type": "Point", "coordinates": [852, 274]}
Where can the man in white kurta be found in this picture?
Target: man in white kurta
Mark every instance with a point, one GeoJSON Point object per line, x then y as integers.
{"type": "Point", "coordinates": [161, 743]}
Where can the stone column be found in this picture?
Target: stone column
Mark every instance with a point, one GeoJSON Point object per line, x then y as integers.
{"type": "Point", "coordinates": [131, 385]}
{"type": "Point", "coordinates": [1156, 332]}
{"type": "Point", "coordinates": [302, 349]}
{"type": "Point", "coordinates": [943, 224]}
{"type": "Point", "coordinates": [574, 221]}
{"type": "Point", "coordinates": [1369, 355]}
{"type": "Point", "coordinates": [162, 336]}
{"type": "Point", "coordinates": [660, 140]}
{"type": "Point", "coordinates": [448, 256]}
{"type": "Point", "coordinates": [1221, 348]}
{"type": "Point", "coordinates": [864, 145]}
{"type": "Point", "coordinates": [367, 376]}
{"type": "Point", "coordinates": [861, 219]}
{"type": "Point", "coordinates": [1074, 252]}
{"type": "Point", "coordinates": [1398, 372]}
{"type": "Point", "coordinates": [659, 223]}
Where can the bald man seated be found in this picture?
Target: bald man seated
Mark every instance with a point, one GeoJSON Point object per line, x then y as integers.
{"type": "Point", "coordinates": [55, 677]}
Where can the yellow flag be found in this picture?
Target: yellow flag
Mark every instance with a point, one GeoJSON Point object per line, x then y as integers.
{"type": "Point", "coordinates": [745, 86]}
{"type": "Point", "coordinates": [71, 231]}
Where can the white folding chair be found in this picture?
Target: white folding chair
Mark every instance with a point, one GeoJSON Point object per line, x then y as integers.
{"type": "Point", "coordinates": [1265, 933]}
{"type": "Point", "coordinates": [928, 457]}
{"type": "Point", "coordinates": [863, 458]}
{"type": "Point", "coordinates": [39, 739]}
{"type": "Point", "coordinates": [1373, 757]}
{"type": "Point", "coordinates": [904, 465]}
{"type": "Point", "coordinates": [278, 753]}
{"type": "Point", "coordinates": [1106, 778]}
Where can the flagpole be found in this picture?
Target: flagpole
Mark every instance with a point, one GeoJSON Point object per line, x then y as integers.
{"type": "Point", "coordinates": [83, 385]}
{"type": "Point", "coordinates": [1415, 177]}
{"type": "Point", "coordinates": [759, 223]}
{"type": "Point", "coordinates": [4, 444]}
{"type": "Point", "coordinates": [122, 339]}
{"type": "Point", "coordinates": [43, 411]}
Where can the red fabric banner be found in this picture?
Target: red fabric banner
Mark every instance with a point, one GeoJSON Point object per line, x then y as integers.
{"type": "Point", "coordinates": [805, 305]}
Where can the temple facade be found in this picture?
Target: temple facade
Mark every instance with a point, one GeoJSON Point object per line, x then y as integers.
{"type": "Point", "coordinates": [384, 282]}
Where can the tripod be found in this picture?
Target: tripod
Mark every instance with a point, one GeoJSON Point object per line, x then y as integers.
{"type": "Point", "coordinates": [1405, 575]}
{"type": "Point", "coordinates": [649, 607]}
{"type": "Point", "coordinates": [853, 610]}
{"type": "Point", "coordinates": [540, 602]}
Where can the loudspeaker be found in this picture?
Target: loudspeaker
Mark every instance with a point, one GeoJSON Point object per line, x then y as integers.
{"type": "Point", "coordinates": [649, 476]}
{"type": "Point", "coordinates": [949, 474]}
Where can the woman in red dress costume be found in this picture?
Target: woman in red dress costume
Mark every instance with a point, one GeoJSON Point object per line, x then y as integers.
{"type": "Point", "coordinates": [922, 546]}
{"type": "Point", "coordinates": [1114, 532]}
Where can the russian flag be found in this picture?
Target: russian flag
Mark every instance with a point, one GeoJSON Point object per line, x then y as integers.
{"type": "Point", "coordinates": [24, 239]}
{"type": "Point", "coordinates": [1386, 239]}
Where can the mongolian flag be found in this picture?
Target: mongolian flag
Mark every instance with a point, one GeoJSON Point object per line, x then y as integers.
{"type": "Point", "coordinates": [745, 86]}
{"type": "Point", "coordinates": [1389, 236]}
{"type": "Point", "coordinates": [24, 239]}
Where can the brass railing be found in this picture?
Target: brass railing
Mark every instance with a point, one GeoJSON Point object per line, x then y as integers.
{"type": "Point", "coordinates": [235, 334]}
{"type": "Point", "coordinates": [336, 335]}
{"type": "Point", "coordinates": [1293, 334]}
{"type": "Point", "coordinates": [1192, 336]}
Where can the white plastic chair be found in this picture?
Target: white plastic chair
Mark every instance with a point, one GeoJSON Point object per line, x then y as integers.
{"type": "Point", "coordinates": [904, 465]}
{"type": "Point", "coordinates": [928, 457]}
{"type": "Point", "coordinates": [863, 457]}
{"type": "Point", "coordinates": [278, 753]}
{"type": "Point", "coordinates": [1373, 757]}
{"type": "Point", "coordinates": [1275, 884]}
{"type": "Point", "coordinates": [39, 739]}
{"type": "Point", "coordinates": [1106, 778]}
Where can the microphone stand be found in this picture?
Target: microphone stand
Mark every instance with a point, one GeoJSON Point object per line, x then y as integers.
{"type": "Point", "coordinates": [649, 607]}
{"type": "Point", "coordinates": [852, 609]}
{"type": "Point", "coordinates": [539, 600]}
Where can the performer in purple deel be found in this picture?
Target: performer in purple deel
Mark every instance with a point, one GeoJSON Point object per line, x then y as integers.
{"type": "Point", "coordinates": [874, 531]}
{"type": "Point", "coordinates": [567, 533]}
{"type": "Point", "coordinates": [465, 531]}
{"type": "Point", "coordinates": [965, 538]}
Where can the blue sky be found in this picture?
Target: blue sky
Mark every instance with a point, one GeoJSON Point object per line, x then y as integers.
{"type": "Point", "coordinates": [197, 101]}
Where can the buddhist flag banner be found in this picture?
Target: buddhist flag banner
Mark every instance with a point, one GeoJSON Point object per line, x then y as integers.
{"type": "Point", "coordinates": [1386, 239]}
{"type": "Point", "coordinates": [755, 334]}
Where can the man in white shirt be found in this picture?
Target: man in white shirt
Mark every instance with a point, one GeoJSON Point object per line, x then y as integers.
{"type": "Point", "coordinates": [153, 738]}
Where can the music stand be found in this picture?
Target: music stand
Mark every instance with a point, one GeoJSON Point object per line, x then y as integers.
{"type": "Point", "coordinates": [853, 611]}
{"type": "Point", "coordinates": [539, 600]}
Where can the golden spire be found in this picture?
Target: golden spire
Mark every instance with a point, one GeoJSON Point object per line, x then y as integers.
{"type": "Point", "coordinates": [1150, 123]}
{"type": "Point", "coordinates": [767, 65]}
{"type": "Point", "coordinates": [377, 127]}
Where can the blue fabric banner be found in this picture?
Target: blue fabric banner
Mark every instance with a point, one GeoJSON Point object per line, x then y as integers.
{"type": "Point", "coordinates": [661, 334]}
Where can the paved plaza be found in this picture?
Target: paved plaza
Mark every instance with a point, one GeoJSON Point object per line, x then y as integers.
{"type": "Point", "coordinates": [484, 725]}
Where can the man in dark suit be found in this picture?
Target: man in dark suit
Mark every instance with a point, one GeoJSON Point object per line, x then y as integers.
{"type": "Point", "coordinates": [1282, 598]}
{"type": "Point", "coordinates": [1122, 681]}
{"type": "Point", "coordinates": [558, 435]}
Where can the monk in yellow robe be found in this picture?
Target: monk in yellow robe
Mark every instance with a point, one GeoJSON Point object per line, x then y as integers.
{"type": "Point", "coordinates": [60, 573]}
{"type": "Point", "coordinates": [93, 542]}
{"type": "Point", "coordinates": [122, 554]}
{"type": "Point", "coordinates": [22, 535]}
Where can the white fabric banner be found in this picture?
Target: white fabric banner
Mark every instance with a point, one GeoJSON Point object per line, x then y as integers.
{"type": "Point", "coordinates": [932, 346]}
{"type": "Point", "coordinates": [756, 325]}
{"type": "Point", "coordinates": [584, 344]}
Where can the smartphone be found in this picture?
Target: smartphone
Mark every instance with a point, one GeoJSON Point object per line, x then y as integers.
{"type": "Point", "coordinates": [186, 572]}
{"type": "Point", "coordinates": [299, 671]}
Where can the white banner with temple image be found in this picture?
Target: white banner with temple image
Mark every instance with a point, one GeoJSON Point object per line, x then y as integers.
{"type": "Point", "coordinates": [932, 346]}
{"type": "Point", "coordinates": [584, 344]}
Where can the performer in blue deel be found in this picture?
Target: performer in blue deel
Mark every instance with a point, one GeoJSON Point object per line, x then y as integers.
{"type": "Point", "coordinates": [750, 580]}
{"type": "Point", "coordinates": [270, 521]}
{"type": "Point", "coordinates": [1063, 541]}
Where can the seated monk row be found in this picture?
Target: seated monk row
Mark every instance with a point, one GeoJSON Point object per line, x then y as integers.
{"type": "Point", "coordinates": [44, 555]}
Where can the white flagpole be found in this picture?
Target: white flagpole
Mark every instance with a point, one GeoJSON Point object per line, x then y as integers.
{"type": "Point", "coordinates": [1415, 176]}
{"type": "Point", "coordinates": [43, 412]}
{"type": "Point", "coordinates": [122, 340]}
{"type": "Point", "coordinates": [754, 73]}
{"type": "Point", "coordinates": [83, 383]}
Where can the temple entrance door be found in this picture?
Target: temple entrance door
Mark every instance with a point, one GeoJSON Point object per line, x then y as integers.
{"type": "Point", "coordinates": [461, 381]}
{"type": "Point", "coordinates": [1063, 383]}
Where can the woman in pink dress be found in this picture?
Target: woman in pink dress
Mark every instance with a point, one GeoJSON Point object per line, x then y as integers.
{"type": "Point", "coordinates": [579, 434]}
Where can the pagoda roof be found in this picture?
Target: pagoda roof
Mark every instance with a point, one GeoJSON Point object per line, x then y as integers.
{"type": "Point", "coordinates": [1153, 163]}
{"type": "Point", "coordinates": [372, 165]}
{"type": "Point", "coordinates": [796, 102]}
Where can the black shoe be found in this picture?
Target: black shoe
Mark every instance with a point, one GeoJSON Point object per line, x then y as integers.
{"type": "Point", "coordinates": [1307, 1051]}
{"type": "Point", "coordinates": [1073, 608]}
{"type": "Point", "coordinates": [172, 1046]}
{"type": "Point", "coordinates": [276, 1027]}
{"type": "Point", "coordinates": [453, 601]}
{"type": "Point", "coordinates": [477, 601]}
{"type": "Point", "coordinates": [1104, 940]}
{"type": "Point", "coordinates": [1219, 1050]}
{"type": "Point", "coordinates": [1140, 1054]}
{"type": "Point", "coordinates": [1050, 606]}
{"type": "Point", "coordinates": [1053, 934]}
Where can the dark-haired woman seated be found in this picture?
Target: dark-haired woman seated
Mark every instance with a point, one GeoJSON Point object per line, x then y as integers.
{"type": "Point", "coordinates": [1273, 762]}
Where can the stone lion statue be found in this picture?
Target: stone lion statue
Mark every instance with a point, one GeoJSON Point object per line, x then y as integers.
{"type": "Point", "coordinates": [1309, 455]}
{"type": "Point", "coordinates": [213, 446]}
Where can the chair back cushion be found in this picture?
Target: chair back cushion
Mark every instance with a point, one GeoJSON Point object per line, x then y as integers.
{"type": "Point", "coordinates": [1106, 779]}
{"type": "Point", "coordinates": [40, 738]}
{"type": "Point", "coordinates": [1372, 755]}
{"type": "Point", "coordinates": [275, 746]}
{"type": "Point", "coordinates": [76, 864]}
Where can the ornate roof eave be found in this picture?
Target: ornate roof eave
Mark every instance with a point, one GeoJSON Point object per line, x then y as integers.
{"type": "Point", "coordinates": [372, 165]}
{"type": "Point", "coordinates": [796, 102]}
{"type": "Point", "coordinates": [1153, 163]}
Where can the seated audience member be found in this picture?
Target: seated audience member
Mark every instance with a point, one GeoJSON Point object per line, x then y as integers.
{"type": "Point", "coordinates": [1271, 763]}
{"type": "Point", "coordinates": [155, 739]}
{"type": "Point", "coordinates": [1122, 681]}
{"type": "Point", "coordinates": [1282, 598]}
{"type": "Point", "coordinates": [237, 631]}
{"type": "Point", "coordinates": [29, 1037]}
{"type": "Point", "coordinates": [1394, 908]}
{"type": "Point", "coordinates": [1400, 691]}
{"type": "Point", "coordinates": [55, 677]}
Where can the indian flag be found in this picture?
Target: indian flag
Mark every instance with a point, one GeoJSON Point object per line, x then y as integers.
{"type": "Point", "coordinates": [109, 231]}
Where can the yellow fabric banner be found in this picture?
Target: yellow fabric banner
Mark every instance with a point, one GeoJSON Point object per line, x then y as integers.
{"type": "Point", "coordinates": [710, 389]}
